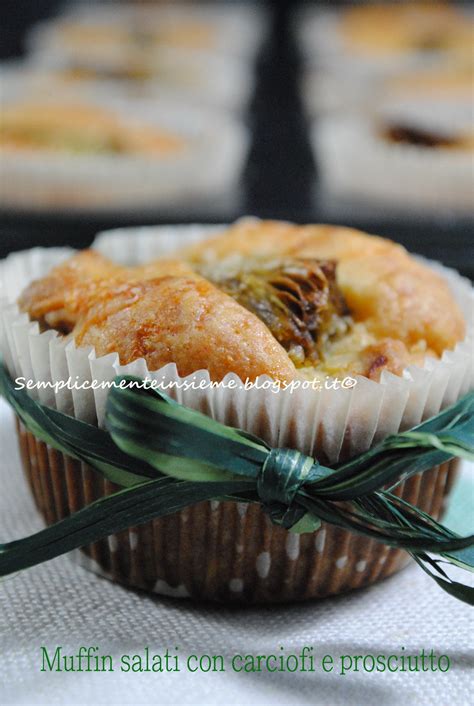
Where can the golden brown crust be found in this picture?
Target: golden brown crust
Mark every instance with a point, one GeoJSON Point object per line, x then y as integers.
{"type": "Point", "coordinates": [411, 26]}
{"type": "Point", "coordinates": [70, 289]}
{"type": "Point", "coordinates": [183, 320]}
{"type": "Point", "coordinates": [387, 289]}
{"type": "Point", "coordinates": [81, 129]}
{"type": "Point", "coordinates": [400, 310]}
{"type": "Point", "coordinates": [251, 237]}
{"type": "Point", "coordinates": [161, 311]}
{"type": "Point", "coordinates": [58, 299]}
{"type": "Point", "coordinates": [137, 41]}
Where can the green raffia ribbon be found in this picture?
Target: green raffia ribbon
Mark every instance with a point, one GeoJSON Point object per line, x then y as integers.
{"type": "Point", "coordinates": [166, 457]}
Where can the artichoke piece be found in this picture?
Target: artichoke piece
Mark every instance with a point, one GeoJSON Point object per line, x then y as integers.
{"type": "Point", "coordinates": [297, 299]}
{"type": "Point", "coordinates": [408, 135]}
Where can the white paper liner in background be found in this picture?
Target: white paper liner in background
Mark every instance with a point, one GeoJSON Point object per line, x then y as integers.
{"type": "Point", "coordinates": [318, 423]}
{"type": "Point", "coordinates": [327, 91]}
{"type": "Point", "coordinates": [206, 172]}
{"type": "Point", "coordinates": [354, 162]}
{"type": "Point", "coordinates": [175, 75]}
{"type": "Point", "coordinates": [331, 90]}
{"type": "Point", "coordinates": [238, 29]}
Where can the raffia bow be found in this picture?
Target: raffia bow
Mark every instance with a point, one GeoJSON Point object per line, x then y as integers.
{"type": "Point", "coordinates": [166, 457]}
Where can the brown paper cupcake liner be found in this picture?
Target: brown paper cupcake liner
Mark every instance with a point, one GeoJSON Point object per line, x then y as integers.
{"type": "Point", "coordinates": [222, 551]}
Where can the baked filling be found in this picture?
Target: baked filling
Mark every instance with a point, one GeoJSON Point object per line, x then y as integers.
{"type": "Point", "coordinates": [420, 137]}
{"type": "Point", "coordinates": [297, 299]}
{"type": "Point", "coordinates": [79, 129]}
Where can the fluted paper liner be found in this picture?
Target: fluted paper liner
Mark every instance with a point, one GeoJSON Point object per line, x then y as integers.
{"type": "Point", "coordinates": [223, 550]}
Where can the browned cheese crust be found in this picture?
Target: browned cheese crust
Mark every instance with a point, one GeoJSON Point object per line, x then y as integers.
{"type": "Point", "coordinates": [164, 313]}
{"type": "Point", "coordinates": [381, 310]}
{"type": "Point", "coordinates": [404, 305]}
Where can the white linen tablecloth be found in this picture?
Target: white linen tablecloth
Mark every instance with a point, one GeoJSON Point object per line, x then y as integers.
{"type": "Point", "coordinates": [60, 603]}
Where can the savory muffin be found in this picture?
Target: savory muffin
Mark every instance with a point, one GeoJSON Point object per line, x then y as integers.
{"type": "Point", "coordinates": [261, 298]}
{"type": "Point", "coordinates": [88, 152]}
{"type": "Point", "coordinates": [169, 77]}
{"type": "Point", "coordinates": [384, 29]}
{"type": "Point", "coordinates": [140, 36]}
{"type": "Point", "coordinates": [413, 155]}
{"type": "Point", "coordinates": [80, 129]}
{"type": "Point", "coordinates": [294, 302]}
{"type": "Point", "coordinates": [138, 32]}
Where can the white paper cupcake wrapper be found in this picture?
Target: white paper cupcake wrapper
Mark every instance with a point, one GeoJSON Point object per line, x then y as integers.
{"type": "Point", "coordinates": [327, 91]}
{"type": "Point", "coordinates": [206, 170]}
{"type": "Point", "coordinates": [332, 90]}
{"type": "Point", "coordinates": [355, 162]}
{"type": "Point", "coordinates": [329, 424]}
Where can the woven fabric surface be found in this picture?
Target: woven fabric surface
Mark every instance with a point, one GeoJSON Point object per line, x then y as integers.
{"type": "Point", "coordinates": [60, 603]}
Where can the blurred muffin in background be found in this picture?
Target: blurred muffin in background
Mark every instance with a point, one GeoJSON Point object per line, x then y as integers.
{"type": "Point", "coordinates": [100, 154]}
{"type": "Point", "coordinates": [389, 29]}
{"type": "Point", "coordinates": [405, 155]}
{"type": "Point", "coordinates": [81, 129]}
{"type": "Point", "coordinates": [326, 90]}
{"type": "Point", "coordinates": [143, 31]}
{"type": "Point", "coordinates": [199, 79]}
{"type": "Point", "coordinates": [391, 89]}
{"type": "Point", "coordinates": [378, 37]}
{"type": "Point", "coordinates": [126, 105]}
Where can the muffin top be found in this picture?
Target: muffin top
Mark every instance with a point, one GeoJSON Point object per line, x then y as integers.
{"type": "Point", "coordinates": [263, 297]}
{"type": "Point", "coordinates": [140, 35]}
{"type": "Point", "coordinates": [80, 129]}
{"type": "Point", "coordinates": [389, 28]}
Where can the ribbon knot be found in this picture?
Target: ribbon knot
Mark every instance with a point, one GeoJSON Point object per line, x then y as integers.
{"type": "Point", "coordinates": [283, 473]}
